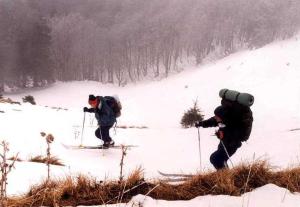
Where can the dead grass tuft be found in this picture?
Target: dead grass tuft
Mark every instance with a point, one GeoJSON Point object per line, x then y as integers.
{"type": "Point", "coordinates": [289, 178]}
{"type": "Point", "coordinates": [8, 100]}
{"type": "Point", "coordinates": [135, 177]}
{"type": "Point", "coordinates": [52, 161]}
{"type": "Point", "coordinates": [83, 190]}
{"type": "Point", "coordinates": [15, 158]}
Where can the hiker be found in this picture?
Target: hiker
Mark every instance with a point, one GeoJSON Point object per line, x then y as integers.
{"type": "Point", "coordinates": [234, 119]}
{"type": "Point", "coordinates": [105, 117]}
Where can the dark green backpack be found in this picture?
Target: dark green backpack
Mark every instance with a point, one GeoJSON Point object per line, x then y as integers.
{"type": "Point", "coordinates": [114, 103]}
{"type": "Point", "coordinates": [245, 99]}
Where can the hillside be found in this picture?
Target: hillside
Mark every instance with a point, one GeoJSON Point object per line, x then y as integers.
{"type": "Point", "coordinates": [271, 74]}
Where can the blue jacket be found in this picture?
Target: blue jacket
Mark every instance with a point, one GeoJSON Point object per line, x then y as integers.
{"type": "Point", "coordinates": [103, 113]}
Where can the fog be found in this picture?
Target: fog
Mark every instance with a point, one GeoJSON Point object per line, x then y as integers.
{"type": "Point", "coordinates": [123, 41]}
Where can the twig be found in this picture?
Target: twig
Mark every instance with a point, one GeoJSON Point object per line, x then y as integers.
{"type": "Point", "coordinates": [284, 195]}
{"type": "Point", "coordinates": [248, 178]}
{"type": "Point", "coordinates": [152, 189]}
{"type": "Point", "coordinates": [150, 192]}
{"type": "Point", "coordinates": [122, 194]}
{"type": "Point", "coordinates": [124, 150]}
{"type": "Point", "coordinates": [49, 140]}
{"type": "Point", "coordinates": [134, 187]}
{"type": "Point", "coordinates": [5, 170]}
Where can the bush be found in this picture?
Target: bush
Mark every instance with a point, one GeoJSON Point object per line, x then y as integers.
{"type": "Point", "coordinates": [29, 99]}
{"type": "Point", "coordinates": [191, 116]}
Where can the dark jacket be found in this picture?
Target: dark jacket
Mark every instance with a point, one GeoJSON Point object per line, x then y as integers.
{"type": "Point", "coordinates": [237, 120]}
{"type": "Point", "coordinates": [103, 113]}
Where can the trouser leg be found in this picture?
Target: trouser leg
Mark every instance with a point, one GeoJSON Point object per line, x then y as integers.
{"type": "Point", "coordinates": [219, 158]}
{"type": "Point", "coordinates": [103, 133]}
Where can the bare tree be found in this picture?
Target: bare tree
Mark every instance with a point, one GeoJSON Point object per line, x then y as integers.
{"type": "Point", "coordinates": [120, 41]}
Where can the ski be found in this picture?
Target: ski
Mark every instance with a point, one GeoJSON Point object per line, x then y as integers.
{"type": "Point", "coordinates": [96, 147]}
{"type": "Point", "coordinates": [169, 180]}
{"type": "Point", "coordinates": [295, 129]}
{"type": "Point", "coordinates": [175, 174]}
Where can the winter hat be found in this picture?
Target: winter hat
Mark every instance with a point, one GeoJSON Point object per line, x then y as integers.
{"type": "Point", "coordinates": [92, 97]}
{"type": "Point", "coordinates": [92, 100]}
{"type": "Point", "coordinates": [220, 111]}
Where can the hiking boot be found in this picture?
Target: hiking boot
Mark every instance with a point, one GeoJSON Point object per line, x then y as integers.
{"type": "Point", "coordinates": [106, 145]}
{"type": "Point", "coordinates": [111, 143]}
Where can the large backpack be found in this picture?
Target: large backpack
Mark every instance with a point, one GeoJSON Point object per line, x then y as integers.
{"type": "Point", "coordinates": [114, 103]}
{"type": "Point", "coordinates": [243, 118]}
{"type": "Point", "coordinates": [240, 104]}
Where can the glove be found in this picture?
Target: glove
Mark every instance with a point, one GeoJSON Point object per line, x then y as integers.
{"type": "Point", "coordinates": [85, 109]}
{"type": "Point", "coordinates": [199, 124]}
{"type": "Point", "coordinates": [220, 134]}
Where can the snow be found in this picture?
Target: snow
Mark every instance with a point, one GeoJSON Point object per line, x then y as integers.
{"type": "Point", "coordinates": [271, 74]}
{"type": "Point", "coordinates": [268, 195]}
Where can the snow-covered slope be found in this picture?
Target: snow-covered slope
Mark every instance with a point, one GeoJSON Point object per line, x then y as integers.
{"type": "Point", "coordinates": [271, 74]}
{"type": "Point", "coordinates": [268, 195]}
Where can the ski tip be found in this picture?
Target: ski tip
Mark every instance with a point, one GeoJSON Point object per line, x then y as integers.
{"type": "Point", "coordinates": [95, 147]}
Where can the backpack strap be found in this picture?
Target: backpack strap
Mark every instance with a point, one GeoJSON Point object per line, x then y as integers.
{"type": "Point", "coordinates": [224, 95]}
{"type": "Point", "coordinates": [237, 96]}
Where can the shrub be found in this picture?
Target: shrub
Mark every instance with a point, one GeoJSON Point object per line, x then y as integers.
{"type": "Point", "coordinates": [191, 116]}
{"type": "Point", "coordinates": [29, 99]}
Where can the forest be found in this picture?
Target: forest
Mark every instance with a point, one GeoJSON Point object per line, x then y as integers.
{"type": "Point", "coordinates": [123, 41]}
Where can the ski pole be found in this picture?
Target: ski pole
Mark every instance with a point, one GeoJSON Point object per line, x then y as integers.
{"type": "Point", "coordinates": [199, 148]}
{"type": "Point", "coordinates": [226, 152]}
{"type": "Point", "coordinates": [82, 129]}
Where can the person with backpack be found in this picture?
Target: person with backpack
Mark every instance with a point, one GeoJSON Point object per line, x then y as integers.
{"type": "Point", "coordinates": [106, 112]}
{"type": "Point", "coordinates": [234, 119]}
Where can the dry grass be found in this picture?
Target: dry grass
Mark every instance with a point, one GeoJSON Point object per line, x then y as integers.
{"type": "Point", "coordinates": [81, 190]}
{"type": "Point", "coordinates": [289, 179]}
{"type": "Point", "coordinates": [8, 100]}
{"type": "Point", "coordinates": [15, 158]}
{"type": "Point", "coordinates": [52, 161]}
{"type": "Point", "coordinates": [237, 181]}
{"type": "Point", "coordinates": [88, 191]}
